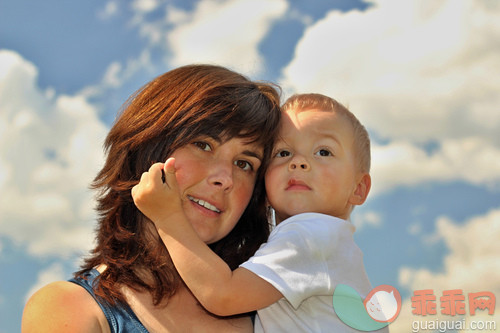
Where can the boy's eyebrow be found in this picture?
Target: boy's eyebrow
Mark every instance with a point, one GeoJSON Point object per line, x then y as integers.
{"type": "Point", "coordinates": [330, 135]}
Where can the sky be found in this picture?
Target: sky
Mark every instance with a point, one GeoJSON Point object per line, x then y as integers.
{"type": "Point", "coordinates": [423, 76]}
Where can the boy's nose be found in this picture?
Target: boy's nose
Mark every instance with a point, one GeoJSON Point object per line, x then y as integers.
{"type": "Point", "coordinates": [299, 163]}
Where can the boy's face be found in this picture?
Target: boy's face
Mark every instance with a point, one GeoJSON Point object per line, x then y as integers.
{"type": "Point", "coordinates": [313, 166]}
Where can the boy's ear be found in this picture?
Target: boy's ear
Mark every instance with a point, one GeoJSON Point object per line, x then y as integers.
{"type": "Point", "coordinates": [362, 189]}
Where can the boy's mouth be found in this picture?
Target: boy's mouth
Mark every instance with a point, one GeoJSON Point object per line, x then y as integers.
{"type": "Point", "coordinates": [294, 184]}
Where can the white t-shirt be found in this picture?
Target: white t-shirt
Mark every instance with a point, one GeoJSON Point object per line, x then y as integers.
{"type": "Point", "coordinates": [305, 257]}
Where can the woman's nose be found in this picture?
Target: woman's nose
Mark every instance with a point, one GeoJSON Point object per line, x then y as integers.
{"type": "Point", "coordinates": [298, 162]}
{"type": "Point", "coordinates": [221, 175]}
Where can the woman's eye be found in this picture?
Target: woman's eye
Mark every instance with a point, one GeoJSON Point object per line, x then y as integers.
{"type": "Point", "coordinates": [282, 153]}
{"type": "Point", "coordinates": [203, 145]}
{"type": "Point", "coordinates": [244, 165]}
{"type": "Point", "coordinates": [324, 152]}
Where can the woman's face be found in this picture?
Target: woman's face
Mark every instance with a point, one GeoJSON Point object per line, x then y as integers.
{"type": "Point", "coordinates": [216, 180]}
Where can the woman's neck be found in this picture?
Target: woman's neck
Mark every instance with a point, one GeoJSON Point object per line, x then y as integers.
{"type": "Point", "coordinates": [181, 313]}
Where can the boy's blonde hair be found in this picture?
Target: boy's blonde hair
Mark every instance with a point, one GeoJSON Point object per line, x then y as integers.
{"type": "Point", "coordinates": [303, 102]}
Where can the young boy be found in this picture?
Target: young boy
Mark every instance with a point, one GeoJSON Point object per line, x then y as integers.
{"type": "Point", "coordinates": [318, 173]}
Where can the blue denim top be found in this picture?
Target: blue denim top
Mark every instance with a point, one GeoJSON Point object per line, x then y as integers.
{"type": "Point", "coordinates": [120, 317]}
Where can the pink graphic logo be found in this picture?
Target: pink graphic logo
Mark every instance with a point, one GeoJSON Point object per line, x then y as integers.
{"type": "Point", "coordinates": [383, 303]}
{"type": "Point", "coordinates": [380, 308]}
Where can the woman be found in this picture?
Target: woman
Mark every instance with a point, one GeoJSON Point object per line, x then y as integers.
{"type": "Point", "coordinates": [220, 127]}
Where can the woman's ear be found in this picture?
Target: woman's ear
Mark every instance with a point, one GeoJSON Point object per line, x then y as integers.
{"type": "Point", "coordinates": [362, 189]}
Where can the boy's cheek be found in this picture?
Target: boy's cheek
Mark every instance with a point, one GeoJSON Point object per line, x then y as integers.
{"type": "Point", "coordinates": [272, 173]}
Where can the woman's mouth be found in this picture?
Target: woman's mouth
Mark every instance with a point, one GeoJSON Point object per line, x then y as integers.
{"type": "Point", "coordinates": [204, 204]}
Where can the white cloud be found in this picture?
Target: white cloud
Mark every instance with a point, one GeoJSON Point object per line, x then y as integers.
{"type": "Point", "coordinates": [363, 219]}
{"type": "Point", "coordinates": [111, 76]}
{"type": "Point", "coordinates": [110, 10]}
{"type": "Point", "coordinates": [145, 6]}
{"type": "Point", "coordinates": [54, 272]}
{"type": "Point", "coordinates": [50, 150]}
{"type": "Point", "coordinates": [471, 265]}
{"type": "Point", "coordinates": [295, 14]}
{"type": "Point", "coordinates": [223, 32]}
{"type": "Point", "coordinates": [117, 74]}
{"type": "Point", "coordinates": [415, 228]}
{"type": "Point", "coordinates": [401, 163]}
{"type": "Point", "coordinates": [473, 248]}
{"type": "Point", "coordinates": [414, 72]}
{"type": "Point", "coordinates": [405, 67]}
{"type": "Point", "coordinates": [141, 8]}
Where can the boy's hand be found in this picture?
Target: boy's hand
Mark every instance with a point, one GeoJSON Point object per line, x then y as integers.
{"type": "Point", "coordinates": [157, 194]}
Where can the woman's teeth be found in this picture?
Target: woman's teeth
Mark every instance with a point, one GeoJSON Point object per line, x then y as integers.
{"type": "Point", "coordinates": [204, 204]}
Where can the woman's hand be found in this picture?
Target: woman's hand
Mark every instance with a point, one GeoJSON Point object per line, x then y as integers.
{"type": "Point", "coordinates": [157, 194]}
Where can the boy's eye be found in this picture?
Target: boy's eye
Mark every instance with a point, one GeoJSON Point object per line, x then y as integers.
{"type": "Point", "coordinates": [203, 145]}
{"type": "Point", "coordinates": [282, 153]}
{"type": "Point", "coordinates": [244, 165]}
{"type": "Point", "coordinates": [324, 152]}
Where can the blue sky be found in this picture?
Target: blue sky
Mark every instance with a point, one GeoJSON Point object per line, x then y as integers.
{"type": "Point", "coordinates": [422, 75]}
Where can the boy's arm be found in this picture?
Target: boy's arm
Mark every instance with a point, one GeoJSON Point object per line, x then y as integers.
{"type": "Point", "coordinates": [220, 290]}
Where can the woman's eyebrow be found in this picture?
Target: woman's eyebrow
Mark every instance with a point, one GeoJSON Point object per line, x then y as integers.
{"type": "Point", "coordinates": [252, 153]}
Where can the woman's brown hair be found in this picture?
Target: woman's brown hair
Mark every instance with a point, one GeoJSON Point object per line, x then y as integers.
{"type": "Point", "coordinates": [167, 113]}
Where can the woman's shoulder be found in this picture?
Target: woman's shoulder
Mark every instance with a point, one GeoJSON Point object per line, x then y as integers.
{"type": "Point", "coordinates": [63, 306]}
